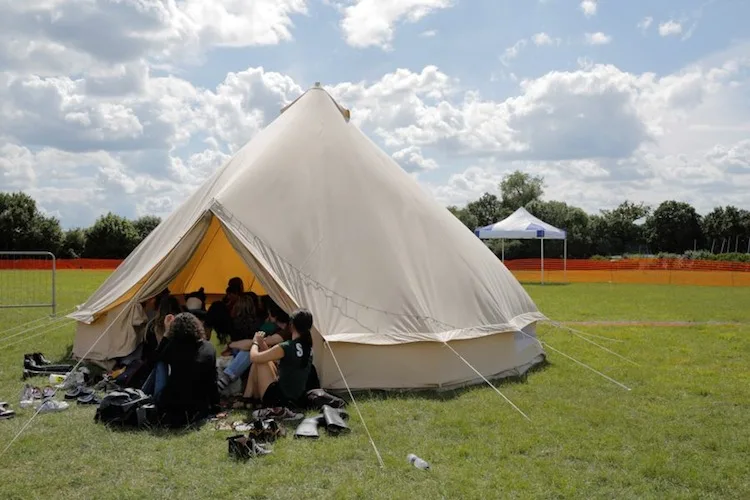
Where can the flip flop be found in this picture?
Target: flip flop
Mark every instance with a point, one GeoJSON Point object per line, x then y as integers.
{"type": "Point", "coordinates": [334, 421]}
{"type": "Point", "coordinates": [308, 428]}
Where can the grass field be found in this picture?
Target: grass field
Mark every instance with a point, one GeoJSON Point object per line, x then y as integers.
{"type": "Point", "coordinates": [680, 433]}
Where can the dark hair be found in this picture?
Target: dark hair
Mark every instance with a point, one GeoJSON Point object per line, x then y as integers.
{"type": "Point", "coordinates": [302, 321]}
{"type": "Point", "coordinates": [159, 296]}
{"type": "Point", "coordinates": [236, 286]}
{"type": "Point", "coordinates": [218, 318]}
{"type": "Point", "coordinates": [200, 294]}
{"type": "Point", "coordinates": [167, 305]}
{"type": "Point", "coordinates": [185, 328]}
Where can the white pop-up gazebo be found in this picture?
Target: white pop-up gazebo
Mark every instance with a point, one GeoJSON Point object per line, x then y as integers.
{"type": "Point", "coordinates": [521, 225]}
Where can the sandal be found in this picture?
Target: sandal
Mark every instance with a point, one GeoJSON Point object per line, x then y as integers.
{"type": "Point", "coordinates": [6, 414]}
{"type": "Point", "coordinates": [240, 447]}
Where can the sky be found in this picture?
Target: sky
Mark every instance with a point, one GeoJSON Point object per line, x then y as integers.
{"type": "Point", "coordinates": [129, 105]}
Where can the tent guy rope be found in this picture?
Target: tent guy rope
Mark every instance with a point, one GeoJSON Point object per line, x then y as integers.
{"type": "Point", "coordinates": [52, 328]}
{"type": "Point", "coordinates": [41, 325]}
{"type": "Point", "coordinates": [356, 406]}
{"type": "Point", "coordinates": [487, 381]}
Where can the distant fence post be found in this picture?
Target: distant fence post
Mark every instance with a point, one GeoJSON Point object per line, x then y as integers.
{"type": "Point", "coordinates": [28, 280]}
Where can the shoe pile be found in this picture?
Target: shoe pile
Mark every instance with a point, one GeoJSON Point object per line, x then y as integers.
{"type": "Point", "coordinates": [42, 399]}
{"type": "Point", "coordinates": [333, 419]}
{"type": "Point", "coordinates": [281, 414]}
{"type": "Point", "coordinates": [243, 447]}
{"type": "Point", "coordinates": [36, 365]}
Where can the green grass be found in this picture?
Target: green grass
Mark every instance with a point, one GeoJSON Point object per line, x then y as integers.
{"type": "Point", "coordinates": [680, 433]}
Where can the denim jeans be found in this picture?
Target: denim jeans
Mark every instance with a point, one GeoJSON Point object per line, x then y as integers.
{"type": "Point", "coordinates": [239, 365]}
{"type": "Point", "coordinates": [157, 380]}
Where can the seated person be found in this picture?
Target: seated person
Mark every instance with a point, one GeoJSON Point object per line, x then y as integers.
{"type": "Point", "coordinates": [190, 392]}
{"type": "Point", "coordinates": [277, 320]}
{"type": "Point", "coordinates": [220, 313]}
{"type": "Point", "coordinates": [245, 321]}
{"type": "Point", "coordinates": [195, 304]}
{"type": "Point", "coordinates": [285, 385]}
{"type": "Point", "coordinates": [153, 343]}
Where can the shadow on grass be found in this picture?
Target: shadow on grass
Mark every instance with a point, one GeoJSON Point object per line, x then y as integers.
{"type": "Point", "coordinates": [159, 431]}
{"type": "Point", "coordinates": [444, 395]}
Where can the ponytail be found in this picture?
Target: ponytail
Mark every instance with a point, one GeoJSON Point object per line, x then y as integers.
{"type": "Point", "coordinates": [302, 321]}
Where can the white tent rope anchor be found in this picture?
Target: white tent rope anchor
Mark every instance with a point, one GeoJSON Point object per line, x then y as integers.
{"type": "Point", "coordinates": [356, 406]}
{"type": "Point", "coordinates": [487, 381]}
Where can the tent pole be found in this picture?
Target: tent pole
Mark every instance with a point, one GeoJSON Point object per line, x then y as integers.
{"type": "Point", "coordinates": [502, 250]}
{"type": "Point", "coordinates": [542, 241]}
{"type": "Point", "coordinates": [565, 259]}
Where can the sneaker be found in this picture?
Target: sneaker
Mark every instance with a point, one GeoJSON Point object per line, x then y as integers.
{"type": "Point", "coordinates": [27, 396]}
{"type": "Point", "coordinates": [52, 405]}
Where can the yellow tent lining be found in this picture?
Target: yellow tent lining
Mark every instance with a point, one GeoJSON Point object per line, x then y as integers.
{"type": "Point", "coordinates": [211, 266]}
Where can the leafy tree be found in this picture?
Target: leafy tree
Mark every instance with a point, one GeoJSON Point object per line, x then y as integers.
{"type": "Point", "coordinates": [144, 225]}
{"type": "Point", "coordinates": [74, 243]}
{"type": "Point", "coordinates": [725, 224]}
{"type": "Point", "coordinates": [519, 189]}
{"type": "Point", "coordinates": [561, 215]}
{"type": "Point", "coordinates": [618, 229]}
{"type": "Point", "coordinates": [673, 227]}
{"type": "Point", "coordinates": [466, 217]}
{"type": "Point", "coordinates": [487, 210]}
{"type": "Point", "coordinates": [24, 228]}
{"type": "Point", "coordinates": [111, 237]}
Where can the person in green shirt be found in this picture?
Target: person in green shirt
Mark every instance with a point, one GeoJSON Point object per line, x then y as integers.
{"type": "Point", "coordinates": [285, 384]}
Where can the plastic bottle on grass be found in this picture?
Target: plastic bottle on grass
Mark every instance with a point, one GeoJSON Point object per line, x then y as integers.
{"type": "Point", "coordinates": [417, 462]}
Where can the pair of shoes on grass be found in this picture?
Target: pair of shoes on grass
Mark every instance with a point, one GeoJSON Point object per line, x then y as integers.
{"type": "Point", "coordinates": [333, 419]}
{"type": "Point", "coordinates": [30, 394]}
{"type": "Point", "coordinates": [243, 447]}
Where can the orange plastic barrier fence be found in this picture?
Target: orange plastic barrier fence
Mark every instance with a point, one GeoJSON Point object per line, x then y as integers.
{"type": "Point", "coordinates": [42, 264]}
{"type": "Point", "coordinates": [647, 271]}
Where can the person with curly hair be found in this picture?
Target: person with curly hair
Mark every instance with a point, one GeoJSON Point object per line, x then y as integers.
{"type": "Point", "coordinates": [190, 393]}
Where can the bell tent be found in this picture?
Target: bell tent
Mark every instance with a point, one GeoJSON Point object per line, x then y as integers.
{"type": "Point", "coordinates": [314, 214]}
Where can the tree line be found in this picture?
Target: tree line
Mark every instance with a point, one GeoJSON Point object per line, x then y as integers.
{"type": "Point", "coordinates": [673, 227]}
{"type": "Point", "coordinates": [23, 227]}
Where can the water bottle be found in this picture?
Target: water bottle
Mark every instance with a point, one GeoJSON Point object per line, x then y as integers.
{"type": "Point", "coordinates": [417, 462]}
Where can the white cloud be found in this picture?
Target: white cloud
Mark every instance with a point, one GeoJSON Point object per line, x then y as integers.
{"type": "Point", "coordinates": [588, 7]}
{"type": "Point", "coordinates": [428, 33]}
{"type": "Point", "coordinates": [371, 23]}
{"type": "Point", "coordinates": [411, 160]}
{"type": "Point", "coordinates": [54, 36]}
{"type": "Point", "coordinates": [512, 52]}
{"type": "Point", "coordinates": [542, 38]}
{"type": "Point", "coordinates": [598, 38]}
{"type": "Point", "coordinates": [670, 28]}
{"type": "Point", "coordinates": [645, 23]}
{"type": "Point", "coordinates": [89, 129]}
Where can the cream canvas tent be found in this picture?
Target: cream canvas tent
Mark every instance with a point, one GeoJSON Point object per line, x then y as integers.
{"type": "Point", "coordinates": [316, 215]}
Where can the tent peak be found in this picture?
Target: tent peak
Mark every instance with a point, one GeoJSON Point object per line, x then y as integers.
{"type": "Point", "coordinates": [311, 91]}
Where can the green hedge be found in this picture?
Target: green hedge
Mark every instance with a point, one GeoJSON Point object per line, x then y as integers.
{"type": "Point", "coordinates": [689, 255]}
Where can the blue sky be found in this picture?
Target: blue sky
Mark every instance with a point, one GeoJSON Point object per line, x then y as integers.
{"type": "Point", "coordinates": [606, 99]}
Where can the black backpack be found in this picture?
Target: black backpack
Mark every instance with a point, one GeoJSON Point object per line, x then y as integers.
{"type": "Point", "coordinates": [120, 408]}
